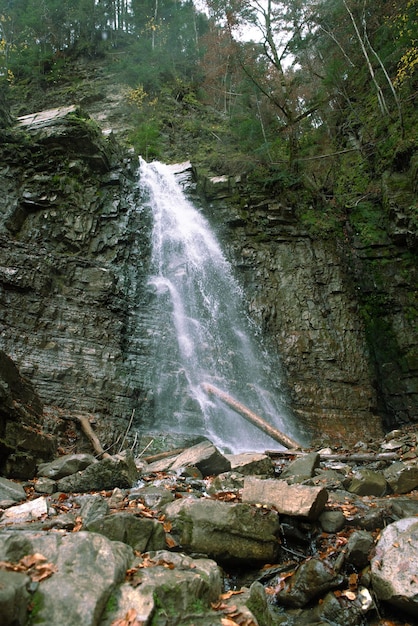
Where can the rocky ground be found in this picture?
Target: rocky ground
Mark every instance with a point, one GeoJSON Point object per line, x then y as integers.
{"type": "Point", "coordinates": [203, 538]}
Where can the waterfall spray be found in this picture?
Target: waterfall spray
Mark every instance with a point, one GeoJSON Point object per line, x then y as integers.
{"type": "Point", "coordinates": [203, 335]}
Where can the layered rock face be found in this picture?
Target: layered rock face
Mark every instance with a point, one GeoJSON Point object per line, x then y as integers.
{"type": "Point", "coordinates": [77, 316]}
{"type": "Point", "coordinates": [334, 308]}
{"type": "Point", "coordinates": [73, 255]}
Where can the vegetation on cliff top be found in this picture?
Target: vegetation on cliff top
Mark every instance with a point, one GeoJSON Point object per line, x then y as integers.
{"type": "Point", "coordinates": [322, 102]}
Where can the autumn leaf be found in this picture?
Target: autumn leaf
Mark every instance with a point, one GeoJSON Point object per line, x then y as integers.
{"type": "Point", "coordinates": [42, 572]}
{"type": "Point", "coordinates": [350, 595]}
{"type": "Point", "coordinates": [171, 543]}
{"type": "Point", "coordinates": [31, 560]}
{"type": "Point", "coordinates": [353, 581]}
{"type": "Point", "coordinates": [167, 525]}
{"type": "Point", "coordinates": [229, 594]}
{"type": "Point", "coordinates": [130, 619]}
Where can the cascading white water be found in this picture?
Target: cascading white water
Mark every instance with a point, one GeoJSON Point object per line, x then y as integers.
{"type": "Point", "coordinates": [202, 333]}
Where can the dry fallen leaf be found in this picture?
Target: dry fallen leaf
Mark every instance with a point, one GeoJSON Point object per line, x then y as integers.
{"type": "Point", "coordinates": [171, 543]}
{"type": "Point", "coordinates": [130, 619]}
{"type": "Point", "coordinates": [350, 595]}
{"type": "Point", "coordinates": [225, 621]}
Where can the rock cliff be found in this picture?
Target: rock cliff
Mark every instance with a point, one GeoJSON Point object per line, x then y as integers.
{"type": "Point", "coordinates": [76, 316]}
{"type": "Point", "coordinates": [73, 249]}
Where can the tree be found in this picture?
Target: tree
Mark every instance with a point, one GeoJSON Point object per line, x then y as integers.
{"type": "Point", "coordinates": [272, 63]}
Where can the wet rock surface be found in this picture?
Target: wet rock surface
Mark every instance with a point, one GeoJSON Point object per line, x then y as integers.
{"type": "Point", "coordinates": [179, 547]}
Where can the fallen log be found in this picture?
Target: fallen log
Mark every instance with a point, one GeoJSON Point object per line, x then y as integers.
{"type": "Point", "coordinates": [357, 458]}
{"type": "Point", "coordinates": [252, 417]}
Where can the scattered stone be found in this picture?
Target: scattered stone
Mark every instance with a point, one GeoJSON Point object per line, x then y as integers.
{"type": "Point", "coordinates": [394, 566]}
{"type": "Point", "coordinates": [26, 512]}
{"type": "Point", "coordinates": [302, 468]}
{"type": "Point", "coordinates": [332, 521]}
{"type": "Point", "coordinates": [251, 463]}
{"type": "Point", "coordinates": [92, 508]}
{"type": "Point", "coordinates": [14, 598]}
{"type": "Point", "coordinates": [312, 578]}
{"type": "Point", "coordinates": [402, 478]}
{"type": "Point", "coordinates": [10, 492]}
{"type": "Point", "coordinates": [141, 534]}
{"type": "Point", "coordinates": [228, 481]}
{"type": "Point", "coordinates": [117, 471]}
{"type": "Point", "coordinates": [45, 485]}
{"type": "Point", "coordinates": [205, 456]}
{"type": "Point", "coordinates": [65, 465]}
{"type": "Point", "coordinates": [359, 547]}
{"type": "Point", "coordinates": [224, 530]}
{"type": "Point", "coordinates": [368, 483]}
{"type": "Point", "coordinates": [297, 500]}
{"type": "Point", "coordinates": [349, 608]}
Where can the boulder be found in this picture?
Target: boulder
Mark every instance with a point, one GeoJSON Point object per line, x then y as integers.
{"type": "Point", "coordinates": [302, 468]}
{"type": "Point", "coordinates": [10, 492]}
{"type": "Point", "coordinates": [205, 456]}
{"type": "Point", "coordinates": [332, 521]}
{"type": "Point", "coordinates": [117, 471]}
{"type": "Point", "coordinates": [153, 496]}
{"type": "Point", "coordinates": [86, 569]}
{"type": "Point", "coordinates": [224, 530]}
{"type": "Point", "coordinates": [65, 465]}
{"type": "Point", "coordinates": [297, 500]}
{"type": "Point", "coordinates": [168, 588]}
{"type": "Point", "coordinates": [14, 598]}
{"type": "Point", "coordinates": [141, 534]}
{"type": "Point", "coordinates": [311, 579]}
{"type": "Point", "coordinates": [402, 478]}
{"type": "Point", "coordinates": [359, 547]}
{"type": "Point", "coordinates": [368, 483]}
{"type": "Point", "coordinates": [26, 512]}
{"type": "Point", "coordinates": [394, 565]}
{"type": "Point", "coordinates": [250, 463]}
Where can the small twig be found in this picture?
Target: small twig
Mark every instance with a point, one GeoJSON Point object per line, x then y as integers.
{"type": "Point", "coordinates": [112, 445]}
{"type": "Point", "coordinates": [135, 441]}
{"type": "Point", "coordinates": [146, 448]}
{"type": "Point", "coordinates": [127, 430]}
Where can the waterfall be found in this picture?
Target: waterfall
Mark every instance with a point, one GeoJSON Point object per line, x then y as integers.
{"type": "Point", "coordinates": [201, 332]}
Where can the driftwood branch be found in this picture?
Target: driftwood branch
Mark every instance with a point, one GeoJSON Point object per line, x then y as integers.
{"type": "Point", "coordinates": [357, 458]}
{"type": "Point", "coordinates": [252, 417]}
{"type": "Point", "coordinates": [88, 431]}
{"type": "Point", "coordinates": [163, 455]}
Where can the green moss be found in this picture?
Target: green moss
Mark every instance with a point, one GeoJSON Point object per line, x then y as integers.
{"type": "Point", "coordinates": [324, 221]}
{"type": "Point", "coordinates": [36, 607]}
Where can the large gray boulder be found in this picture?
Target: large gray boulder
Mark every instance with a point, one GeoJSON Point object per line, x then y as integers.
{"type": "Point", "coordinates": [224, 530]}
{"type": "Point", "coordinates": [139, 533]}
{"type": "Point", "coordinates": [14, 598]}
{"type": "Point", "coordinates": [65, 465]}
{"type": "Point", "coordinates": [117, 471]}
{"type": "Point", "coordinates": [168, 588]}
{"type": "Point", "coordinates": [10, 492]}
{"type": "Point", "coordinates": [394, 566]}
{"type": "Point", "coordinates": [296, 500]}
{"type": "Point", "coordinates": [87, 569]}
{"type": "Point", "coordinates": [204, 456]}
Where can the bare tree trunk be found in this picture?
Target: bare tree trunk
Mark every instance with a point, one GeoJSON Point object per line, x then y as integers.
{"type": "Point", "coordinates": [380, 96]}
